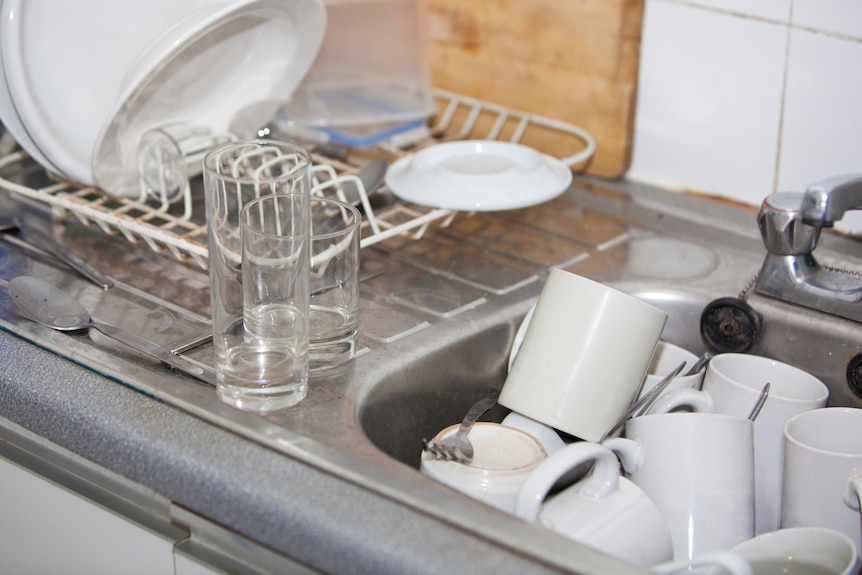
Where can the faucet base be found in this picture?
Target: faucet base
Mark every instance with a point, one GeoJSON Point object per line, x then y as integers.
{"type": "Point", "coordinates": [801, 280]}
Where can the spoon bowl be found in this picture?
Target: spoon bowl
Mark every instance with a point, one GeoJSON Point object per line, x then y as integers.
{"type": "Point", "coordinates": [371, 175]}
{"type": "Point", "coordinates": [45, 304]}
{"type": "Point", "coordinates": [54, 308]}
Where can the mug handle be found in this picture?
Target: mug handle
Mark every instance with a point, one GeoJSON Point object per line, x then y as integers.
{"type": "Point", "coordinates": [629, 451]}
{"type": "Point", "coordinates": [729, 561]}
{"type": "Point", "coordinates": [697, 400]}
{"type": "Point", "coordinates": [601, 481]}
{"type": "Point", "coordinates": [852, 490]}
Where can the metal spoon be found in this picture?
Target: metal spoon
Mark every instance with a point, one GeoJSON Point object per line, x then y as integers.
{"type": "Point", "coordinates": [54, 308]}
{"type": "Point", "coordinates": [644, 402]}
{"type": "Point", "coordinates": [371, 175]}
{"type": "Point", "coordinates": [698, 365]}
{"type": "Point", "coordinates": [761, 399]}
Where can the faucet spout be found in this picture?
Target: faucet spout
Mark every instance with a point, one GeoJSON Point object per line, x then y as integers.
{"type": "Point", "coordinates": [826, 201]}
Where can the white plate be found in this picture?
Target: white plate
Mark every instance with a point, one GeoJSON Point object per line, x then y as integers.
{"type": "Point", "coordinates": [478, 175]}
{"type": "Point", "coordinates": [64, 62]}
{"type": "Point", "coordinates": [13, 124]}
{"type": "Point", "coordinates": [205, 70]}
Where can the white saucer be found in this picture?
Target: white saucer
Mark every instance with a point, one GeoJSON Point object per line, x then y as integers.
{"type": "Point", "coordinates": [64, 62]}
{"type": "Point", "coordinates": [478, 175]}
{"type": "Point", "coordinates": [203, 71]}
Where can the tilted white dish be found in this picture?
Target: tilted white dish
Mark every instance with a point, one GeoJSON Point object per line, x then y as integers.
{"type": "Point", "coordinates": [203, 71]}
{"type": "Point", "coordinates": [13, 124]}
{"type": "Point", "coordinates": [478, 175]}
{"type": "Point", "coordinates": [64, 63]}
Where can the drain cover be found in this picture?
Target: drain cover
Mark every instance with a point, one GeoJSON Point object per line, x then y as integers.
{"type": "Point", "coordinates": [729, 325]}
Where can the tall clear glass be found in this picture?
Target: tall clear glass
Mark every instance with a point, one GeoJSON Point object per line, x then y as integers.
{"type": "Point", "coordinates": [260, 345]}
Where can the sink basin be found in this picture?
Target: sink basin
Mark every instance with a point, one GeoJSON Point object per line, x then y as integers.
{"type": "Point", "coordinates": [677, 273]}
{"type": "Point", "coordinates": [406, 407]}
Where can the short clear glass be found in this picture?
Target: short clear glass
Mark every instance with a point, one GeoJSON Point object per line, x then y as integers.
{"type": "Point", "coordinates": [334, 303]}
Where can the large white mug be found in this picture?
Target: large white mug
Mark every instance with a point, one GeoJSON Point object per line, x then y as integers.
{"type": "Point", "coordinates": [698, 468]}
{"type": "Point", "coordinates": [802, 550]}
{"type": "Point", "coordinates": [503, 458]}
{"type": "Point", "coordinates": [584, 356]}
{"type": "Point", "coordinates": [735, 380]}
{"type": "Point", "coordinates": [822, 467]}
{"type": "Point", "coordinates": [602, 510]}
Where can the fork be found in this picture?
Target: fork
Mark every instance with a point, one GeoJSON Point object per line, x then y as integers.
{"type": "Point", "coordinates": [457, 447]}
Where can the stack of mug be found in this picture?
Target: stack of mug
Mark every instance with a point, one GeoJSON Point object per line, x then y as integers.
{"type": "Point", "coordinates": [699, 479]}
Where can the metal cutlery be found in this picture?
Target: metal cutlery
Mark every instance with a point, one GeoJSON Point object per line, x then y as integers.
{"type": "Point", "coordinates": [457, 447]}
{"type": "Point", "coordinates": [644, 402]}
{"type": "Point", "coordinates": [761, 399]}
{"type": "Point", "coordinates": [45, 242]}
{"type": "Point", "coordinates": [54, 308]}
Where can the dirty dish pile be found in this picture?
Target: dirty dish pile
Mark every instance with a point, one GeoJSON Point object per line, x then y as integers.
{"type": "Point", "coordinates": [724, 468]}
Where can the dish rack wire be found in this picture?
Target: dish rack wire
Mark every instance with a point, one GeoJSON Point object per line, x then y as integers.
{"type": "Point", "coordinates": [177, 229]}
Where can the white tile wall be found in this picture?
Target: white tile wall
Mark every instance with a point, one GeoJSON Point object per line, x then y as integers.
{"type": "Point", "coordinates": [744, 98]}
{"type": "Point", "coordinates": [843, 17]}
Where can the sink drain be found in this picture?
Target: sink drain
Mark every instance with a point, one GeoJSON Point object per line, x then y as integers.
{"type": "Point", "coordinates": [854, 374]}
{"type": "Point", "coordinates": [729, 325]}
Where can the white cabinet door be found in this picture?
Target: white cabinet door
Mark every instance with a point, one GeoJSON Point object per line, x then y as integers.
{"type": "Point", "coordinates": [47, 529]}
{"type": "Point", "coordinates": [189, 566]}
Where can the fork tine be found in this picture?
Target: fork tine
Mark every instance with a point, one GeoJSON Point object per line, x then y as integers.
{"type": "Point", "coordinates": [440, 450]}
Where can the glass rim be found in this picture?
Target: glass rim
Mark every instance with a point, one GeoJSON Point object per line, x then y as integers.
{"type": "Point", "coordinates": [348, 228]}
{"type": "Point", "coordinates": [248, 206]}
{"type": "Point", "coordinates": [211, 160]}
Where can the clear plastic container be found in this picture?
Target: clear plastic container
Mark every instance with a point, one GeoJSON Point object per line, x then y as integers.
{"type": "Point", "coordinates": [372, 69]}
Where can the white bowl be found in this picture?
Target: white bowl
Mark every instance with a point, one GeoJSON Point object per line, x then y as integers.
{"type": "Point", "coordinates": [204, 70]}
{"type": "Point", "coordinates": [64, 62]}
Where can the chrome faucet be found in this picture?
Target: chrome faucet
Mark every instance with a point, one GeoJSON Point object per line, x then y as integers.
{"type": "Point", "coordinates": [790, 225]}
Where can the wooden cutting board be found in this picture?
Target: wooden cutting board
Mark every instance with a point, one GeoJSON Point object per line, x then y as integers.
{"type": "Point", "coordinates": [574, 60]}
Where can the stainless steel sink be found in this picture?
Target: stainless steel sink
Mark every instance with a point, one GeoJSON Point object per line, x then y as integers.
{"type": "Point", "coordinates": [436, 331]}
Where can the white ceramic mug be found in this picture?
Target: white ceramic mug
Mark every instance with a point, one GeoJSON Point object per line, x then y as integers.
{"type": "Point", "coordinates": [734, 381]}
{"type": "Point", "coordinates": [803, 550]}
{"type": "Point", "coordinates": [602, 510]}
{"type": "Point", "coordinates": [665, 358]}
{"type": "Point", "coordinates": [503, 458]}
{"type": "Point", "coordinates": [584, 356]}
{"type": "Point", "coordinates": [822, 464]}
{"type": "Point", "coordinates": [698, 468]}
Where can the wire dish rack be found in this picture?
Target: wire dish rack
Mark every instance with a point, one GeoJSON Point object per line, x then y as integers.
{"type": "Point", "coordinates": [179, 228]}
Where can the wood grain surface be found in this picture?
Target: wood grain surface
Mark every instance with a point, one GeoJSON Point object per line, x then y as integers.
{"type": "Point", "coordinates": [574, 60]}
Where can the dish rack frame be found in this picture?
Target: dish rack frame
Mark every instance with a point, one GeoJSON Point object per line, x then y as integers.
{"type": "Point", "coordinates": [172, 228]}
